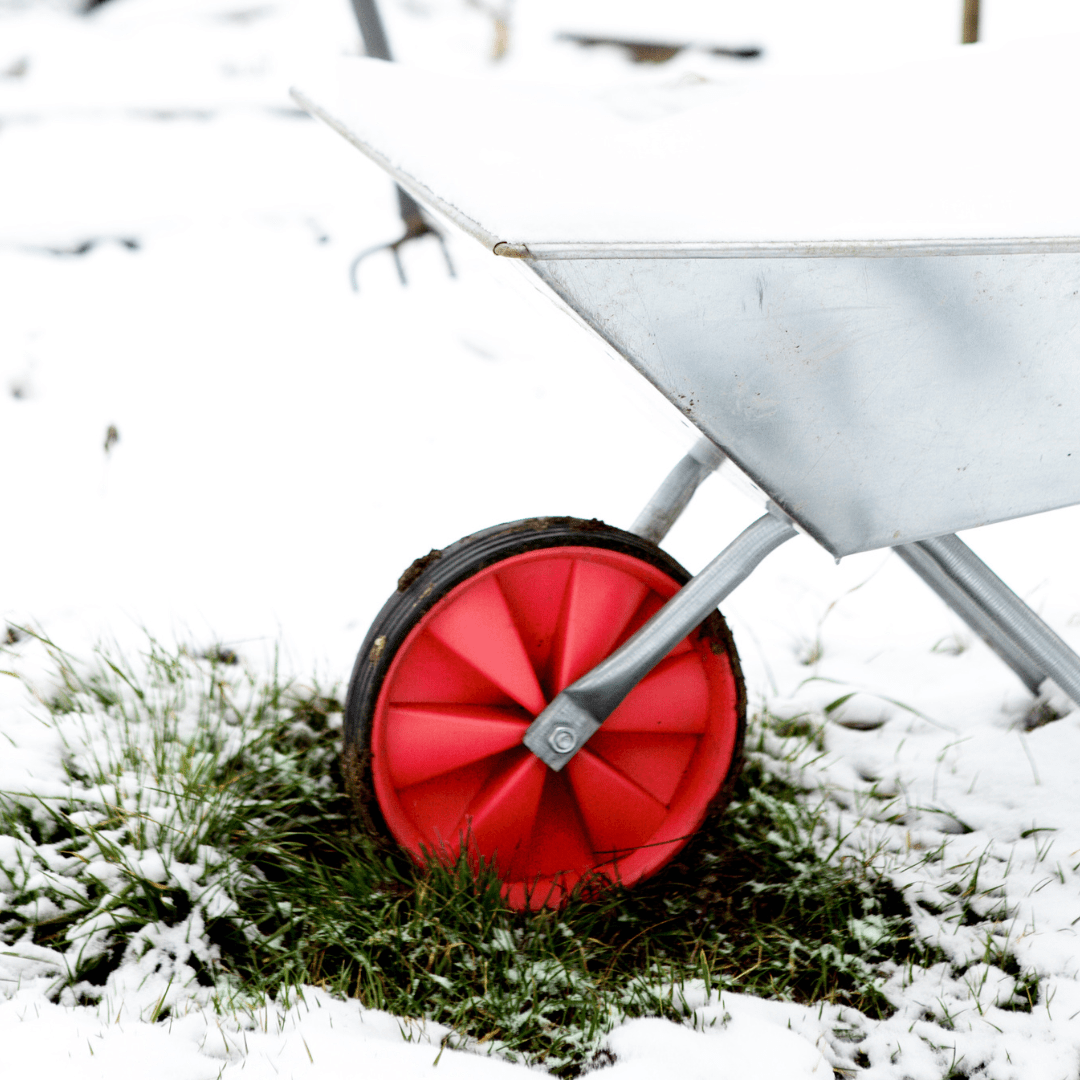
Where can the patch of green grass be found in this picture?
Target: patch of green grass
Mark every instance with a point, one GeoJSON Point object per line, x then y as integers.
{"type": "Point", "coordinates": [755, 907]}
{"type": "Point", "coordinates": [204, 842]}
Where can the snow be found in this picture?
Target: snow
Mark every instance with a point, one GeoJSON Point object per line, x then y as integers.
{"type": "Point", "coordinates": [963, 145]}
{"type": "Point", "coordinates": [741, 1044]}
{"type": "Point", "coordinates": [317, 1036]}
{"type": "Point", "coordinates": [286, 447]}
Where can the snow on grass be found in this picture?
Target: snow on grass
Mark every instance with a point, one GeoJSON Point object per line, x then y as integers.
{"type": "Point", "coordinates": [176, 849]}
{"type": "Point", "coordinates": [178, 843]}
{"type": "Point", "coordinates": [119, 866]}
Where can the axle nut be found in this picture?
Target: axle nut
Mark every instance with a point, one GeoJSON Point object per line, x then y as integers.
{"type": "Point", "coordinates": [562, 740]}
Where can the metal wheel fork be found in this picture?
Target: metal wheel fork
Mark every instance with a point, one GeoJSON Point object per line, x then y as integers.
{"type": "Point", "coordinates": [963, 581]}
{"type": "Point", "coordinates": [947, 565]}
{"type": "Point", "coordinates": [577, 713]}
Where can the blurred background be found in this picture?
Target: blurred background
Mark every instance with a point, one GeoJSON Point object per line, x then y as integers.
{"type": "Point", "coordinates": [205, 431]}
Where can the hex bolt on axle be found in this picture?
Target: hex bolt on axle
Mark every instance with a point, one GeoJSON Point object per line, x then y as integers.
{"type": "Point", "coordinates": [562, 740]}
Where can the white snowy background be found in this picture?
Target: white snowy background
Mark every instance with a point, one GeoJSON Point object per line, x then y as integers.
{"type": "Point", "coordinates": [287, 446]}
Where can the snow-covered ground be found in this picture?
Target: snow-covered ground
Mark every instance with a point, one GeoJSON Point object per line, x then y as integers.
{"type": "Point", "coordinates": [175, 240]}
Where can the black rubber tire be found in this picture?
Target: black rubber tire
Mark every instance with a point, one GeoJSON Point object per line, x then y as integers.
{"type": "Point", "coordinates": [431, 577]}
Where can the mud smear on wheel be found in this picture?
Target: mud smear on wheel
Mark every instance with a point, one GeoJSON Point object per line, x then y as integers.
{"type": "Point", "coordinates": [417, 568]}
{"type": "Point", "coordinates": [574, 524]}
{"type": "Point", "coordinates": [355, 771]}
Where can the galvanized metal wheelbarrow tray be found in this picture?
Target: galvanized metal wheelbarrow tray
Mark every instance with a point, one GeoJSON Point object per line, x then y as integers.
{"type": "Point", "coordinates": [876, 316]}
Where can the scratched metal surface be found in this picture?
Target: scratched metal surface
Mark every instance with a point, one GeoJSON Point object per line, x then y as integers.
{"type": "Point", "coordinates": [877, 400]}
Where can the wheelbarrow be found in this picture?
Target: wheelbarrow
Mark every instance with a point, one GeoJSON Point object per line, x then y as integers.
{"type": "Point", "coordinates": [865, 296]}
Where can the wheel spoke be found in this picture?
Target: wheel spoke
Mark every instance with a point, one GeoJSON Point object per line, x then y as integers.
{"type": "Point", "coordinates": [618, 814]}
{"type": "Point", "coordinates": [433, 673]}
{"type": "Point", "coordinates": [479, 628]}
{"type": "Point", "coordinates": [673, 698]}
{"type": "Point", "coordinates": [535, 895]}
{"type": "Point", "coordinates": [559, 845]}
{"type": "Point", "coordinates": [436, 806]}
{"type": "Point", "coordinates": [534, 593]}
{"type": "Point", "coordinates": [598, 604]}
{"type": "Point", "coordinates": [423, 741]}
{"type": "Point", "coordinates": [499, 820]}
{"type": "Point", "coordinates": [656, 763]}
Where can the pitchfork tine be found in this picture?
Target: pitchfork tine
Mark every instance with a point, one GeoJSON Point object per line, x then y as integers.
{"type": "Point", "coordinates": [416, 225]}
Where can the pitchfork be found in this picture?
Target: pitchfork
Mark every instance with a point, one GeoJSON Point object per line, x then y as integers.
{"type": "Point", "coordinates": [416, 225]}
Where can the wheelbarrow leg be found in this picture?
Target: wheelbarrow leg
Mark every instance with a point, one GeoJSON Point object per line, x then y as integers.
{"type": "Point", "coordinates": [995, 613]}
{"type": "Point", "coordinates": [673, 495]}
{"type": "Point", "coordinates": [977, 618]}
{"type": "Point", "coordinates": [576, 713]}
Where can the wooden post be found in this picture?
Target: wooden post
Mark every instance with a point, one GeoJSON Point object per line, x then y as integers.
{"type": "Point", "coordinates": [969, 34]}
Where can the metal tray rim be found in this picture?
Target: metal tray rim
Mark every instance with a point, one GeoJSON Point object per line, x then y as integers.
{"type": "Point", "coordinates": [794, 249]}
{"type": "Point", "coordinates": [721, 249]}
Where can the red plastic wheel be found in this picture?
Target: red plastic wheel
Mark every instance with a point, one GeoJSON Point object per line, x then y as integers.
{"type": "Point", "coordinates": [442, 730]}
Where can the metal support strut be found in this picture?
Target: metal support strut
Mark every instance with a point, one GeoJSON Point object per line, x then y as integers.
{"type": "Point", "coordinates": [926, 566]}
{"type": "Point", "coordinates": [673, 495]}
{"type": "Point", "coordinates": [995, 613]}
{"type": "Point", "coordinates": [575, 714]}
